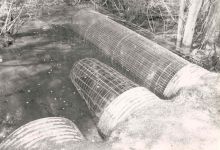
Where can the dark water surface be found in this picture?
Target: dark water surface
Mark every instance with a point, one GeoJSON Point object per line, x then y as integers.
{"type": "Point", "coordinates": [35, 79]}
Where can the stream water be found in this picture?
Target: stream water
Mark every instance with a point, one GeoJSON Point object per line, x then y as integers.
{"type": "Point", "coordinates": [35, 79]}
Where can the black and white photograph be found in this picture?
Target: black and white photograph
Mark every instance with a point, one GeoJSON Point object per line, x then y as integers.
{"type": "Point", "coordinates": [109, 74]}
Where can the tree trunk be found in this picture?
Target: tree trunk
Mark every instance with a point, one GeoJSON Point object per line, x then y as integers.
{"type": "Point", "coordinates": [180, 24]}
{"type": "Point", "coordinates": [212, 26]}
{"type": "Point", "coordinates": [190, 25]}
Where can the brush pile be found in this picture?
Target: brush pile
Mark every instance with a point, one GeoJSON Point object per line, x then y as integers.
{"type": "Point", "coordinates": [155, 15]}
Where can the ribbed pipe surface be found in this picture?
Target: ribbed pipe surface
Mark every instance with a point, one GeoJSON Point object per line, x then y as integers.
{"type": "Point", "coordinates": [130, 102]}
{"type": "Point", "coordinates": [188, 76]}
{"type": "Point", "coordinates": [108, 94]}
{"type": "Point", "coordinates": [46, 131]}
{"type": "Point", "coordinates": [153, 65]}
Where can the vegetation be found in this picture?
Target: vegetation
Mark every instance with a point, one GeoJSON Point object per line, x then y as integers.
{"type": "Point", "coordinates": [14, 13]}
{"type": "Point", "coordinates": [193, 25]}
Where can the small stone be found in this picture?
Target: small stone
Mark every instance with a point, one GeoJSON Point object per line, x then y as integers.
{"type": "Point", "coordinates": [1, 59]}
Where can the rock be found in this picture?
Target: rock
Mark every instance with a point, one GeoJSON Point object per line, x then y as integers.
{"type": "Point", "coordinates": [6, 40]}
{"type": "Point", "coordinates": [1, 59]}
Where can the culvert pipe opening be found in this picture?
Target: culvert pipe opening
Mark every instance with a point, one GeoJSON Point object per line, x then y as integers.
{"type": "Point", "coordinates": [43, 133]}
{"type": "Point", "coordinates": [110, 96]}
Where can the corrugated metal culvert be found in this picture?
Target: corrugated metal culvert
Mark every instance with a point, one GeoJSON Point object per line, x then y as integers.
{"type": "Point", "coordinates": [109, 95]}
{"type": "Point", "coordinates": [43, 132]}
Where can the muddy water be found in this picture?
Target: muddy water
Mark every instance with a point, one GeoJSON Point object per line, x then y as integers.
{"type": "Point", "coordinates": [35, 79]}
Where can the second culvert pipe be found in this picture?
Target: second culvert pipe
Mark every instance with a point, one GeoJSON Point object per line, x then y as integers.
{"type": "Point", "coordinates": [110, 96]}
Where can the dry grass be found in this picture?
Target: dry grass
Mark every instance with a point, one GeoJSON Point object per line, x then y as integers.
{"type": "Point", "coordinates": [159, 16]}
{"type": "Point", "coordinates": [15, 12]}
